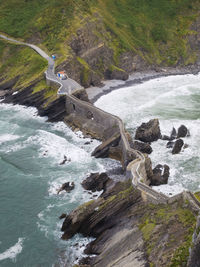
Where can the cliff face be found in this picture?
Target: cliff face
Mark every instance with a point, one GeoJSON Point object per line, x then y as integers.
{"type": "Point", "coordinates": [93, 57]}
{"type": "Point", "coordinates": [130, 232]}
{"type": "Point", "coordinates": [96, 40]}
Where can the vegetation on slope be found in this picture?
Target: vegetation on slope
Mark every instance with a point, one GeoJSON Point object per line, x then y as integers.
{"type": "Point", "coordinates": [157, 29]}
{"type": "Point", "coordinates": [22, 62]}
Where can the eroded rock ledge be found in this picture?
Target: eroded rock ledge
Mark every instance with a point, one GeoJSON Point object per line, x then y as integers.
{"type": "Point", "coordinates": [130, 232]}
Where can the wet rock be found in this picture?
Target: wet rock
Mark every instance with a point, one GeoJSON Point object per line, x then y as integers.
{"type": "Point", "coordinates": [185, 146]}
{"type": "Point", "coordinates": [96, 182]}
{"type": "Point", "coordinates": [160, 175]}
{"type": "Point", "coordinates": [68, 186]}
{"type": "Point", "coordinates": [182, 131]}
{"type": "Point", "coordinates": [148, 132]}
{"type": "Point", "coordinates": [87, 143]}
{"type": "Point", "coordinates": [177, 146]}
{"type": "Point", "coordinates": [142, 147]}
{"type": "Point", "coordinates": [170, 144]}
{"type": "Point", "coordinates": [62, 216]}
{"type": "Point", "coordinates": [173, 134]}
{"type": "Point", "coordinates": [102, 151]}
{"type": "Point", "coordinates": [64, 160]}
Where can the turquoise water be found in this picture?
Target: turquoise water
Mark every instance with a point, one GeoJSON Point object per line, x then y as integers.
{"type": "Point", "coordinates": [30, 152]}
{"type": "Point", "coordinates": [174, 100]}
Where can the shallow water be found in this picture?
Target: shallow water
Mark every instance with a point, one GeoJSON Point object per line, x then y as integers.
{"type": "Point", "coordinates": [30, 152]}
{"type": "Point", "coordinates": [174, 100]}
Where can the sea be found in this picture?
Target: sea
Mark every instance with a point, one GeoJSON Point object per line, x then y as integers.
{"type": "Point", "coordinates": [31, 150]}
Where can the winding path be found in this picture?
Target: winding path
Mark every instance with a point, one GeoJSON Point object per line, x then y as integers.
{"type": "Point", "coordinates": [136, 169]}
{"type": "Point", "coordinates": [67, 86]}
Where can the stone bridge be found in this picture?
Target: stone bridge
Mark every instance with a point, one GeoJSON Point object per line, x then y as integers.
{"type": "Point", "coordinates": [108, 128]}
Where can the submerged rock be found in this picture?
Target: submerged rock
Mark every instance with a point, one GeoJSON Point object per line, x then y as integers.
{"type": "Point", "coordinates": [171, 137]}
{"type": "Point", "coordinates": [170, 144]}
{"type": "Point", "coordinates": [96, 182]}
{"type": "Point", "coordinates": [142, 147]}
{"type": "Point", "coordinates": [160, 175]}
{"type": "Point", "coordinates": [68, 186]}
{"type": "Point", "coordinates": [148, 132]}
{"type": "Point", "coordinates": [177, 146]}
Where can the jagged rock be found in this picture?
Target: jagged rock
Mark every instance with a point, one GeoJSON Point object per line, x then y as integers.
{"type": "Point", "coordinates": [142, 147]}
{"type": "Point", "coordinates": [68, 186]}
{"type": "Point", "coordinates": [160, 175]}
{"type": "Point", "coordinates": [62, 216]}
{"type": "Point", "coordinates": [116, 74]}
{"type": "Point", "coordinates": [95, 182]}
{"type": "Point", "coordinates": [182, 131]}
{"type": "Point", "coordinates": [170, 144]}
{"type": "Point", "coordinates": [102, 151]}
{"type": "Point", "coordinates": [65, 160]}
{"type": "Point", "coordinates": [89, 219]}
{"type": "Point", "coordinates": [148, 132]}
{"type": "Point", "coordinates": [177, 146]}
{"type": "Point", "coordinates": [173, 134]}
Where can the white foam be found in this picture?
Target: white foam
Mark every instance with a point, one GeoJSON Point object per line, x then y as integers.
{"type": "Point", "coordinates": [13, 251]}
{"type": "Point", "coordinates": [8, 137]}
{"type": "Point", "coordinates": [169, 190]}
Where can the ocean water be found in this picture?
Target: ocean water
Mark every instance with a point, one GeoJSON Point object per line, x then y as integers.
{"type": "Point", "coordinates": [174, 100]}
{"type": "Point", "coordinates": [31, 151]}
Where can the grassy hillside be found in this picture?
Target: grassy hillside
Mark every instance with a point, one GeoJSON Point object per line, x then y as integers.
{"type": "Point", "coordinates": [156, 28]}
{"type": "Point", "coordinates": [20, 61]}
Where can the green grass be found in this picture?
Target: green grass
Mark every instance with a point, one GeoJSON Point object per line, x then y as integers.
{"type": "Point", "coordinates": [20, 61]}
{"type": "Point", "coordinates": [155, 29]}
{"type": "Point", "coordinates": [166, 217]}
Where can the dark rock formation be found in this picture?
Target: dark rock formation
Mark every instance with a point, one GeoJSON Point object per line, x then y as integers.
{"type": "Point", "coordinates": [173, 134]}
{"type": "Point", "coordinates": [68, 187]}
{"type": "Point", "coordinates": [55, 110]}
{"type": "Point", "coordinates": [62, 216]}
{"type": "Point", "coordinates": [65, 160]}
{"type": "Point", "coordinates": [177, 146]}
{"type": "Point", "coordinates": [171, 137]}
{"type": "Point", "coordinates": [95, 182]}
{"type": "Point", "coordinates": [142, 147]}
{"type": "Point", "coordinates": [182, 131]}
{"type": "Point", "coordinates": [148, 132]}
{"type": "Point", "coordinates": [89, 219]}
{"type": "Point", "coordinates": [9, 84]}
{"type": "Point", "coordinates": [160, 175]}
{"type": "Point", "coordinates": [102, 151]}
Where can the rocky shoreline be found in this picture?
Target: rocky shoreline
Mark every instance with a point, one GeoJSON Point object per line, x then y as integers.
{"type": "Point", "coordinates": [108, 225]}
{"type": "Point", "coordinates": [94, 93]}
{"type": "Point", "coordinates": [128, 231]}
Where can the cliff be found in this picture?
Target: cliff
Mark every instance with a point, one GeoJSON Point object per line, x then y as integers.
{"type": "Point", "coordinates": [95, 40]}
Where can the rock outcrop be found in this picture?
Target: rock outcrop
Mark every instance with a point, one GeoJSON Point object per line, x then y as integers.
{"type": "Point", "coordinates": [148, 132]}
{"type": "Point", "coordinates": [96, 182]}
{"type": "Point", "coordinates": [182, 131]}
{"type": "Point", "coordinates": [177, 146]}
{"type": "Point", "coordinates": [160, 175]}
{"type": "Point", "coordinates": [142, 147]}
{"type": "Point", "coordinates": [130, 232]}
{"type": "Point", "coordinates": [104, 150]}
